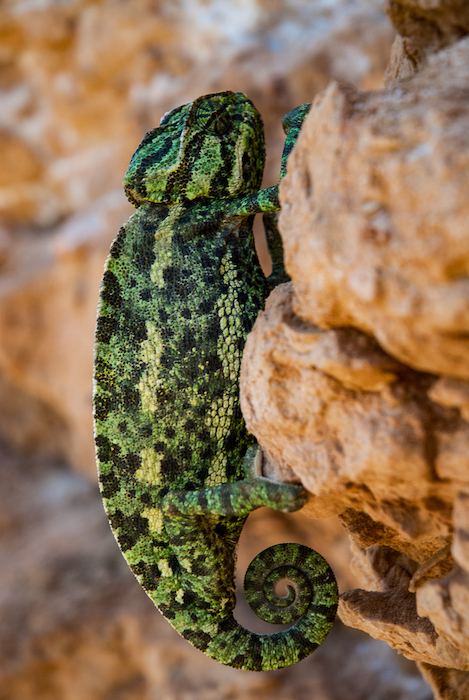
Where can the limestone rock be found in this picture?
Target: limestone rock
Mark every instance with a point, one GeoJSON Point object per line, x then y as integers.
{"type": "Point", "coordinates": [353, 423]}
{"type": "Point", "coordinates": [355, 378]}
{"type": "Point", "coordinates": [424, 28]}
{"type": "Point", "coordinates": [375, 214]}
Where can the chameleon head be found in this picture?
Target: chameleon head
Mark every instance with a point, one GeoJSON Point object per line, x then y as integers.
{"type": "Point", "coordinates": [210, 148]}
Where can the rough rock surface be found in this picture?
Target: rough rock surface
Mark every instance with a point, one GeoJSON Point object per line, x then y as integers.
{"type": "Point", "coordinates": [381, 179]}
{"type": "Point", "coordinates": [356, 377]}
{"type": "Point", "coordinates": [424, 27]}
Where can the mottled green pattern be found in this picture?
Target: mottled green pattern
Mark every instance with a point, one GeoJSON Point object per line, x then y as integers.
{"type": "Point", "coordinates": [181, 289]}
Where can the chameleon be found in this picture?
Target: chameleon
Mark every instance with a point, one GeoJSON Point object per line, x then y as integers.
{"type": "Point", "coordinates": [178, 471]}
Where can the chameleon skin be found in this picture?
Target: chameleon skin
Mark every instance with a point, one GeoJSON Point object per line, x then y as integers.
{"type": "Point", "coordinates": [178, 470]}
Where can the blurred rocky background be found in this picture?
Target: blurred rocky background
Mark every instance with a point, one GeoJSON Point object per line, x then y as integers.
{"type": "Point", "coordinates": [376, 244]}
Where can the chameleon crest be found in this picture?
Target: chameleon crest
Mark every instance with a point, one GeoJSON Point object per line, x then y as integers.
{"type": "Point", "coordinates": [178, 471]}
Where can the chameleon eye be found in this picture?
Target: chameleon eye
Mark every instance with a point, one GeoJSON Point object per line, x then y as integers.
{"type": "Point", "coordinates": [213, 120]}
{"type": "Point", "coordinates": [221, 123]}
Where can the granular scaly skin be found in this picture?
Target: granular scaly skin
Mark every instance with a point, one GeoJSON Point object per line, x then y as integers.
{"type": "Point", "coordinates": [181, 289]}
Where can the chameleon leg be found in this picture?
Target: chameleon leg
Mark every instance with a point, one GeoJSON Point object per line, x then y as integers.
{"type": "Point", "coordinates": [203, 528]}
{"type": "Point", "coordinates": [275, 246]}
{"type": "Point", "coordinates": [228, 500]}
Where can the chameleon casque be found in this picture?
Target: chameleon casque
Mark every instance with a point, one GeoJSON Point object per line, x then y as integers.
{"type": "Point", "coordinates": [179, 472]}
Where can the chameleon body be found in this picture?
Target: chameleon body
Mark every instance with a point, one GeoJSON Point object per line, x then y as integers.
{"type": "Point", "coordinates": [182, 287]}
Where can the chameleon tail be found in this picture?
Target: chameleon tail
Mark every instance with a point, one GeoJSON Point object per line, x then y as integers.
{"type": "Point", "coordinates": [311, 602]}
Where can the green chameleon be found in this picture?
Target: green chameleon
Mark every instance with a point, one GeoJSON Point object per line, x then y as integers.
{"type": "Point", "coordinates": [179, 472]}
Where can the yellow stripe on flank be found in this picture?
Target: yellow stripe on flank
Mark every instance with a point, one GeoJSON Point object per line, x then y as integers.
{"type": "Point", "coordinates": [149, 472]}
{"type": "Point", "coordinates": [155, 520]}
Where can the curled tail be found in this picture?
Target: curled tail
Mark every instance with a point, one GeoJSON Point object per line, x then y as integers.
{"type": "Point", "coordinates": [311, 602]}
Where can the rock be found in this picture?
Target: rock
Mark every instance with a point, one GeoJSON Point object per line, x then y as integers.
{"type": "Point", "coordinates": [355, 378]}
{"type": "Point", "coordinates": [375, 210]}
{"type": "Point", "coordinates": [353, 423]}
{"type": "Point", "coordinates": [424, 29]}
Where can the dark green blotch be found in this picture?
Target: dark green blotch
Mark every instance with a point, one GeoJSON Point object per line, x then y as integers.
{"type": "Point", "coordinates": [187, 341]}
{"type": "Point", "coordinates": [227, 624]}
{"type": "Point", "coordinates": [130, 528]}
{"type": "Point", "coordinates": [138, 330]}
{"type": "Point", "coordinates": [207, 453]}
{"type": "Point", "coordinates": [202, 474]}
{"type": "Point", "coordinates": [133, 462]}
{"type": "Point", "coordinates": [109, 485]}
{"type": "Point", "coordinates": [199, 639]}
{"type": "Point", "coordinates": [213, 363]}
{"type": "Point", "coordinates": [151, 574]}
{"type": "Point", "coordinates": [174, 564]}
{"type": "Point", "coordinates": [167, 611]}
{"type": "Point", "coordinates": [139, 568]}
{"type": "Point", "coordinates": [327, 611]}
{"type": "Point", "coordinates": [221, 529]}
{"type": "Point", "coordinates": [170, 467]}
{"type": "Point", "coordinates": [185, 454]}
{"type": "Point", "coordinates": [163, 395]}
{"type": "Point", "coordinates": [106, 450]}
{"type": "Point", "coordinates": [177, 285]}
{"type": "Point", "coordinates": [242, 297]}
{"type": "Point", "coordinates": [171, 275]}
{"type": "Point", "coordinates": [209, 279]}
{"type": "Point", "coordinates": [206, 306]}
{"type": "Point", "coordinates": [118, 244]}
{"type": "Point", "coordinates": [103, 373]}
{"type": "Point", "coordinates": [111, 290]}
{"type": "Point", "coordinates": [246, 165]}
{"type": "Point", "coordinates": [213, 329]}
{"type": "Point", "coordinates": [102, 407]}
{"type": "Point", "coordinates": [151, 577]}
{"type": "Point", "coordinates": [144, 254]}
{"type": "Point", "coordinates": [131, 397]}
{"type": "Point", "coordinates": [231, 441]}
{"type": "Point", "coordinates": [105, 329]}
{"type": "Point", "coordinates": [163, 314]}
